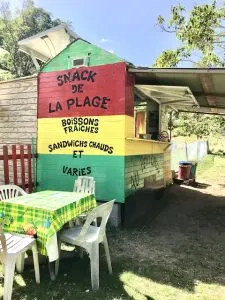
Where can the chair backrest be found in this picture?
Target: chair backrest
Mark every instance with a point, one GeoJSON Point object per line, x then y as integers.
{"type": "Point", "coordinates": [84, 184]}
{"type": "Point", "coordinates": [3, 247]}
{"type": "Point", "coordinates": [10, 191]}
{"type": "Point", "coordinates": [102, 211]}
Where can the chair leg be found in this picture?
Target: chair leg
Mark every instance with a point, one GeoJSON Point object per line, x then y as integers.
{"type": "Point", "coordinates": [20, 263]}
{"type": "Point", "coordinates": [9, 276]}
{"type": "Point", "coordinates": [36, 263]}
{"type": "Point", "coordinates": [57, 261]}
{"type": "Point", "coordinates": [94, 261]}
{"type": "Point", "coordinates": [78, 221]}
{"type": "Point", "coordinates": [106, 246]}
{"type": "Point", "coordinates": [81, 252]}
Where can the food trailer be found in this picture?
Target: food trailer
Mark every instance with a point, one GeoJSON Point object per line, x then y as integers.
{"type": "Point", "coordinates": [88, 125]}
{"type": "Point", "coordinates": [94, 121]}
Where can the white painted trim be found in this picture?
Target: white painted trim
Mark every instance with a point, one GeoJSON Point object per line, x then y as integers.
{"type": "Point", "coordinates": [37, 54]}
{"type": "Point", "coordinates": [71, 59]}
{"type": "Point", "coordinates": [164, 89]}
{"type": "Point", "coordinates": [178, 70]}
{"type": "Point", "coordinates": [43, 33]}
{"type": "Point", "coordinates": [37, 66]}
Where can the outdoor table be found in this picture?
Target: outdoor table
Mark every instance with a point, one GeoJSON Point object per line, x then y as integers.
{"type": "Point", "coordinates": [42, 215]}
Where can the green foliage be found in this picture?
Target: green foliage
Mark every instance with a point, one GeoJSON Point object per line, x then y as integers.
{"type": "Point", "coordinates": [26, 22]}
{"type": "Point", "coordinates": [5, 65]}
{"type": "Point", "coordinates": [187, 124]}
{"type": "Point", "coordinates": [169, 58]}
{"type": "Point", "coordinates": [216, 144]}
{"type": "Point", "coordinates": [5, 75]}
{"type": "Point", "coordinates": [201, 32]}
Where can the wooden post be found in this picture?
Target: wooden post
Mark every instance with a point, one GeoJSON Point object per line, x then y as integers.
{"type": "Point", "coordinates": [6, 164]}
{"type": "Point", "coordinates": [34, 165]}
{"type": "Point", "coordinates": [186, 150]}
{"type": "Point", "coordinates": [14, 159]}
{"type": "Point", "coordinates": [22, 166]}
{"type": "Point", "coordinates": [170, 126]}
{"type": "Point", "coordinates": [29, 168]}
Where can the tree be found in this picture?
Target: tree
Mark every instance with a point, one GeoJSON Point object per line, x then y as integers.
{"type": "Point", "coordinates": [201, 33]}
{"type": "Point", "coordinates": [5, 73]}
{"type": "Point", "coordinates": [26, 22]}
{"type": "Point", "coordinates": [201, 125]}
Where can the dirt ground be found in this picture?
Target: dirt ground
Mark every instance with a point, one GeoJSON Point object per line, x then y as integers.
{"type": "Point", "coordinates": [180, 255]}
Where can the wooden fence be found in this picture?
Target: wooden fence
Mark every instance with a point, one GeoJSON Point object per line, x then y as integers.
{"type": "Point", "coordinates": [19, 166]}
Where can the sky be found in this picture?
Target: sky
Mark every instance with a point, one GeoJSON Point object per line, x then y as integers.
{"type": "Point", "coordinates": [124, 27]}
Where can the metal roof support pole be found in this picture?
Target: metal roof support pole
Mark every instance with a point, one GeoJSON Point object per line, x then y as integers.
{"type": "Point", "coordinates": [163, 120]}
{"type": "Point", "coordinates": [37, 66]}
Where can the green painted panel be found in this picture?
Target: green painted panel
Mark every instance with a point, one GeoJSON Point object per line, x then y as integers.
{"type": "Point", "coordinates": [80, 49]}
{"type": "Point", "coordinates": [58, 172]}
{"type": "Point", "coordinates": [142, 170]}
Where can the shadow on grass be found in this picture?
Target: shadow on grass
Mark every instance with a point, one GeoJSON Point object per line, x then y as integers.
{"type": "Point", "coordinates": [164, 259]}
{"type": "Point", "coordinates": [185, 244]}
{"type": "Point", "coordinates": [222, 185]}
{"type": "Point", "coordinates": [200, 185]}
{"type": "Point", "coordinates": [73, 282]}
{"type": "Point", "coordinates": [194, 184]}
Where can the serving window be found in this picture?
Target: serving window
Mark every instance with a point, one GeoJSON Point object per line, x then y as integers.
{"type": "Point", "coordinates": [146, 118]}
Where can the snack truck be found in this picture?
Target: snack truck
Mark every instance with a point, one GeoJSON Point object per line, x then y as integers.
{"type": "Point", "coordinates": [92, 121]}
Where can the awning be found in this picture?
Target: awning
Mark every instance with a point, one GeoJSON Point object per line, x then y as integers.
{"type": "Point", "coordinates": [206, 85]}
{"type": "Point", "coordinates": [47, 44]}
{"type": "Point", "coordinates": [177, 97]}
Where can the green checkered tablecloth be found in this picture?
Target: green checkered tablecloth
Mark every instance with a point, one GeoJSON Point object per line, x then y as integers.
{"type": "Point", "coordinates": [43, 213]}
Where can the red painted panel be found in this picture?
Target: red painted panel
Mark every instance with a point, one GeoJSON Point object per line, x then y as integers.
{"type": "Point", "coordinates": [87, 91]}
{"type": "Point", "coordinates": [22, 163]}
{"type": "Point", "coordinates": [6, 164]}
{"type": "Point", "coordinates": [129, 93]}
{"type": "Point", "coordinates": [15, 179]}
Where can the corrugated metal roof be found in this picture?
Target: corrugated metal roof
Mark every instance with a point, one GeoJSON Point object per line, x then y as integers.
{"type": "Point", "coordinates": [207, 85]}
{"type": "Point", "coordinates": [177, 97]}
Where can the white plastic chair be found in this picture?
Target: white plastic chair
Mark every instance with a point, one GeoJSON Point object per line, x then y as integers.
{"type": "Point", "coordinates": [10, 191]}
{"type": "Point", "coordinates": [89, 237]}
{"type": "Point", "coordinates": [83, 184]}
{"type": "Point", "coordinates": [11, 247]}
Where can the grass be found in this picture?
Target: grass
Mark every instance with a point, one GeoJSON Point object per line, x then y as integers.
{"type": "Point", "coordinates": [178, 256]}
{"type": "Point", "coordinates": [212, 168]}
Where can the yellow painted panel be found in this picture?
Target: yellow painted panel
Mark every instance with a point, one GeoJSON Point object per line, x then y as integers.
{"type": "Point", "coordinates": [103, 126]}
{"type": "Point", "coordinates": [92, 135]}
{"type": "Point", "coordinates": [139, 146]}
{"type": "Point", "coordinates": [129, 127]}
{"type": "Point", "coordinates": [87, 146]}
